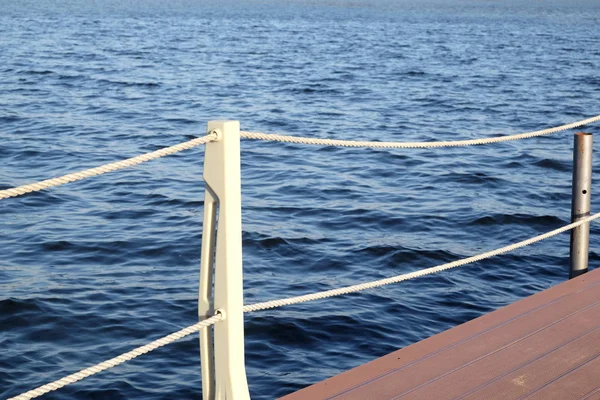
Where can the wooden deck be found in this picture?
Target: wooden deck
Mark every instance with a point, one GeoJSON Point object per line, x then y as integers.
{"type": "Point", "coordinates": [546, 346]}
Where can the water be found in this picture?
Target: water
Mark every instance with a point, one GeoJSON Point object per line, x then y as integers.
{"type": "Point", "coordinates": [95, 268]}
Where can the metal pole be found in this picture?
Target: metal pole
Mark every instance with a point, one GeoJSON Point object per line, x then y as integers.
{"type": "Point", "coordinates": [580, 208]}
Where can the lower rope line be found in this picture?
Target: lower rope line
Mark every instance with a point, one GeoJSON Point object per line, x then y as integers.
{"type": "Point", "coordinates": [413, 145]}
{"type": "Point", "coordinates": [76, 176]}
{"type": "Point", "coordinates": [118, 360]}
{"type": "Point", "coordinates": [288, 301]}
{"type": "Point", "coordinates": [412, 275]}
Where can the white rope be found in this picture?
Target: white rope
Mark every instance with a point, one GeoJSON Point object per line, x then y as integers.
{"type": "Point", "coordinates": [76, 176]}
{"type": "Point", "coordinates": [288, 301]}
{"type": "Point", "coordinates": [118, 360]}
{"type": "Point", "coordinates": [413, 145]}
{"type": "Point", "coordinates": [37, 186]}
{"type": "Point", "coordinates": [412, 275]}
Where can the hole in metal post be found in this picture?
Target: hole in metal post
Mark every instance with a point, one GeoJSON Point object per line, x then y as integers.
{"type": "Point", "coordinates": [584, 191]}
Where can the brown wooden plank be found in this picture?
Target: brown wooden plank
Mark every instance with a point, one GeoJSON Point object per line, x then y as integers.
{"type": "Point", "coordinates": [487, 357]}
{"type": "Point", "coordinates": [583, 382]}
{"type": "Point", "coordinates": [547, 373]}
{"type": "Point", "coordinates": [514, 360]}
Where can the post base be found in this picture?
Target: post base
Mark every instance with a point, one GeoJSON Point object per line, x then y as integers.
{"type": "Point", "coordinates": [575, 274]}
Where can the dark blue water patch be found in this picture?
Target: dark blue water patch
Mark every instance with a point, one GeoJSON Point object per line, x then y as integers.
{"type": "Point", "coordinates": [34, 72]}
{"type": "Point", "coordinates": [184, 121]}
{"type": "Point", "coordinates": [113, 393]}
{"type": "Point", "coordinates": [108, 251]}
{"type": "Point", "coordinates": [10, 118]}
{"type": "Point", "coordinates": [116, 83]}
{"type": "Point", "coordinates": [415, 73]}
{"type": "Point", "coordinates": [129, 214]}
{"type": "Point", "coordinates": [397, 256]}
{"type": "Point", "coordinates": [554, 165]}
{"type": "Point", "coordinates": [70, 77]}
{"type": "Point", "coordinates": [546, 221]}
{"type": "Point", "coordinates": [314, 89]}
{"type": "Point", "coordinates": [474, 178]}
{"type": "Point", "coordinates": [160, 200]}
{"type": "Point", "coordinates": [266, 242]}
{"type": "Point", "coordinates": [590, 80]}
{"type": "Point", "coordinates": [10, 307]}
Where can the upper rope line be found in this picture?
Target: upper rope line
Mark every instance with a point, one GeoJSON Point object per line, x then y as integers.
{"type": "Point", "coordinates": [77, 176]}
{"type": "Point", "coordinates": [289, 301]}
{"type": "Point", "coordinates": [413, 145]}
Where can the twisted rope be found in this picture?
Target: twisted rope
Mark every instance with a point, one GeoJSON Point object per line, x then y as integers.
{"type": "Point", "coordinates": [76, 176]}
{"type": "Point", "coordinates": [288, 301]}
{"type": "Point", "coordinates": [416, 274]}
{"type": "Point", "coordinates": [118, 360]}
{"type": "Point", "coordinates": [413, 145]}
{"type": "Point", "coordinates": [37, 186]}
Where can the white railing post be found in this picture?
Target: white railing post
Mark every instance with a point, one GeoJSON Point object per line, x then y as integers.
{"type": "Point", "coordinates": [221, 284]}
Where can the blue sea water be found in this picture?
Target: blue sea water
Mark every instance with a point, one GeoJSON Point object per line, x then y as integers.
{"type": "Point", "coordinates": [94, 268]}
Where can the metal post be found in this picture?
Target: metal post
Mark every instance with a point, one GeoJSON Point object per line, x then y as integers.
{"type": "Point", "coordinates": [582, 183]}
{"type": "Point", "coordinates": [221, 284]}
